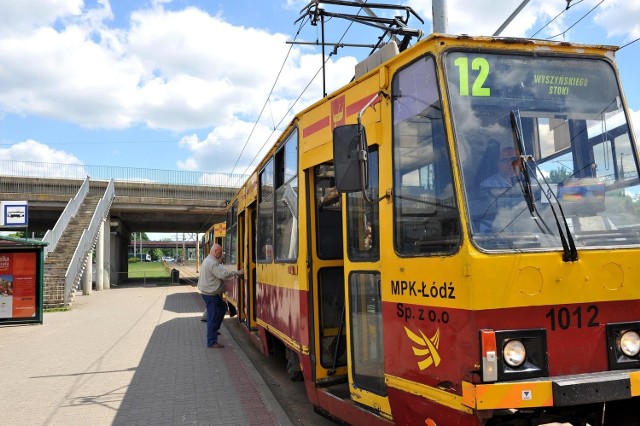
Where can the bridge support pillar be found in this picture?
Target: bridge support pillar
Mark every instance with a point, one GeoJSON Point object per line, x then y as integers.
{"type": "Point", "coordinates": [118, 251]}
{"type": "Point", "coordinates": [100, 259]}
{"type": "Point", "coordinates": [106, 228]}
{"type": "Point", "coordinates": [123, 258]}
{"type": "Point", "coordinates": [87, 278]}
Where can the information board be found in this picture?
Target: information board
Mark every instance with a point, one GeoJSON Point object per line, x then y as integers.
{"type": "Point", "coordinates": [21, 281]}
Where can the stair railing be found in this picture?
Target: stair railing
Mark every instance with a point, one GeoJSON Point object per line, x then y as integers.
{"type": "Point", "coordinates": [53, 235]}
{"type": "Point", "coordinates": [87, 241]}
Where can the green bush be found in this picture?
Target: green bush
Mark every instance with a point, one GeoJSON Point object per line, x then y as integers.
{"type": "Point", "coordinates": [133, 260]}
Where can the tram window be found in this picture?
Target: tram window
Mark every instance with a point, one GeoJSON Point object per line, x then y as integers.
{"type": "Point", "coordinates": [286, 200]}
{"type": "Point", "coordinates": [426, 219]}
{"type": "Point", "coordinates": [230, 240]}
{"type": "Point", "coordinates": [367, 331]}
{"type": "Point", "coordinates": [362, 217]}
{"type": "Point", "coordinates": [328, 213]}
{"type": "Point", "coordinates": [332, 336]}
{"type": "Point", "coordinates": [265, 214]}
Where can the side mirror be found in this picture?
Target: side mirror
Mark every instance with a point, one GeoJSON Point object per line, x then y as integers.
{"type": "Point", "coordinates": [349, 151]}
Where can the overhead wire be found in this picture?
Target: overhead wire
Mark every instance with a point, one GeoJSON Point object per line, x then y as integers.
{"type": "Point", "coordinates": [255, 124]}
{"type": "Point", "coordinates": [281, 120]}
{"type": "Point", "coordinates": [569, 5]}
{"type": "Point", "coordinates": [297, 99]}
{"type": "Point", "coordinates": [628, 44]}
{"type": "Point", "coordinates": [267, 101]}
{"type": "Point", "coordinates": [576, 23]}
{"type": "Point", "coordinates": [303, 23]}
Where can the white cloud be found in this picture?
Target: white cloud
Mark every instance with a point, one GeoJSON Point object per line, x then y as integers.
{"type": "Point", "coordinates": [221, 147]}
{"type": "Point", "coordinates": [242, 139]}
{"type": "Point", "coordinates": [37, 159]}
{"type": "Point", "coordinates": [155, 74]}
{"type": "Point", "coordinates": [158, 75]}
{"type": "Point", "coordinates": [65, 76]}
{"type": "Point", "coordinates": [37, 151]}
{"type": "Point", "coordinates": [23, 16]}
{"type": "Point", "coordinates": [187, 70]}
{"type": "Point", "coordinates": [482, 17]}
{"type": "Point", "coordinates": [620, 18]}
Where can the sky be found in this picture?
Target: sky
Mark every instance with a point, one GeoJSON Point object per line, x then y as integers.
{"type": "Point", "coordinates": [201, 86]}
{"type": "Point", "coordinates": [207, 85]}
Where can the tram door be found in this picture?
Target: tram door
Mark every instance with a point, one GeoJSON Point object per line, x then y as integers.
{"type": "Point", "coordinates": [327, 275]}
{"type": "Point", "coordinates": [247, 239]}
{"type": "Point", "coordinates": [242, 262]}
{"type": "Point", "coordinates": [364, 298]}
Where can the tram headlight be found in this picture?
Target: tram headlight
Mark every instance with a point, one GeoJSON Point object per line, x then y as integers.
{"type": "Point", "coordinates": [514, 353]}
{"type": "Point", "coordinates": [623, 341]}
{"type": "Point", "coordinates": [630, 343]}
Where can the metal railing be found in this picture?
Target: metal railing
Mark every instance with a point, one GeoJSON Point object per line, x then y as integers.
{"type": "Point", "coordinates": [87, 241]}
{"type": "Point", "coordinates": [53, 235]}
{"type": "Point", "coordinates": [43, 170]}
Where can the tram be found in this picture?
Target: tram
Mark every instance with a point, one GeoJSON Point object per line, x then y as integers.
{"type": "Point", "coordinates": [404, 289]}
{"type": "Point", "coordinates": [214, 235]}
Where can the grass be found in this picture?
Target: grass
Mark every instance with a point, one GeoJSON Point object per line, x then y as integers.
{"type": "Point", "coordinates": [60, 309]}
{"type": "Point", "coordinates": [148, 270]}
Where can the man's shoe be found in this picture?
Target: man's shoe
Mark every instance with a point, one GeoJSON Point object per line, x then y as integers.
{"type": "Point", "coordinates": [203, 319]}
{"type": "Point", "coordinates": [216, 345]}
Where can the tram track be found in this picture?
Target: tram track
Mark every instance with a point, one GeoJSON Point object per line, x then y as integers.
{"type": "Point", "coordinates": [186, 273]}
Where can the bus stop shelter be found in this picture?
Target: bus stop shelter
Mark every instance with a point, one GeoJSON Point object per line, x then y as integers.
{"type": "Point", "coordinates": [21, 281]}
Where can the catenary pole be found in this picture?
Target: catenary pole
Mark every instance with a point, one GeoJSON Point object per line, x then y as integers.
{"type": "Point", "coordinates": [510, 18]}
{"type": "Point", "coordinates": [439, 16]}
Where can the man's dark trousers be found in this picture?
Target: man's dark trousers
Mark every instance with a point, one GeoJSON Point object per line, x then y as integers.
{"type": "Point", "coordinates": [216, 310]}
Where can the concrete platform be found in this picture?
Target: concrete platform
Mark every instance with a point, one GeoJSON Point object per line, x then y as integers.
{"type": "Point", "coordinates": [131, 355]}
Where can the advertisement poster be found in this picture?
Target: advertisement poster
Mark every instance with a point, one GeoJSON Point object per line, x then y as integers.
{"type": "Point", "coordinates": [18, 284]}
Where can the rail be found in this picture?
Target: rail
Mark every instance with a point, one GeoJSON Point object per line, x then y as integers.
{"type": "Point", "coordinates": [33, 169]}
{"type": "Point", "coordinates": [87, 240]}
{"type": "Point", "coordinates": [53, 235]}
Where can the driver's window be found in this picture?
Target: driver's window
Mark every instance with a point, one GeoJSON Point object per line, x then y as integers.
{"type": "Point", "coordinates": [425, 209]}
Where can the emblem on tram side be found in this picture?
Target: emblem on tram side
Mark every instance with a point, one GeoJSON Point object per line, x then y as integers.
{"type": "Point", "coordinates": [338, 115]}
{"type": "Point", "coordinates": [426, 349]}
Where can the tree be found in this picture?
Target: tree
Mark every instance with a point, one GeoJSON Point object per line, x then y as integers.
{"type": "Point", "coordinates": [22, 234]}
{"type": "Point", "coordinates": [559, 175]}
{"type": "Point", "coordinates": [156, 254]}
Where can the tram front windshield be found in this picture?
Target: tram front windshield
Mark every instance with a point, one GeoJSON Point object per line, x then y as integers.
{"type": "Point", "coordinates": [545, 152]}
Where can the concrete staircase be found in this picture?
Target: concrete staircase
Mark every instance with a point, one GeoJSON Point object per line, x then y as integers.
{"type": "Point", "coordinates": [57, 261]}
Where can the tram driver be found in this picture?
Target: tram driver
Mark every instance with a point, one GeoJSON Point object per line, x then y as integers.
{"type": "Point", "coordinates": [506, 175]}
{"type": "Point", "coordinates": [497, 199]}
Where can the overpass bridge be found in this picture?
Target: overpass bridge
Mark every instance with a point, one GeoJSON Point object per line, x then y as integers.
{"type": "Point", "coordinates": [146, 200]}
{"type": "Point", "coordinates": [142, 200]}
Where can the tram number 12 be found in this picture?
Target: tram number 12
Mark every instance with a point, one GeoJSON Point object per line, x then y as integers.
{"type": "Point", "coordinates": [563, 317]}
{"type": "Point", "coordinates": [477, 64]}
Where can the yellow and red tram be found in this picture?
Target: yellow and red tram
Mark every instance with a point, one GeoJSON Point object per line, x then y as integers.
{"type": "Point", "coordinates": [403, 288]}
{"type": "Point", "coordinates": [214, 235]}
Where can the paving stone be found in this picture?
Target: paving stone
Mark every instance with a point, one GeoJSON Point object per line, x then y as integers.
{"type": "Point", "coordinates": [130, 355]}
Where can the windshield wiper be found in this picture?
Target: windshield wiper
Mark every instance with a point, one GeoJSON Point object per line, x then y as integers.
{"type": "Point", "coordinates": [525, 180]}
{"type": "Point", "coordinates": [569, 250]}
